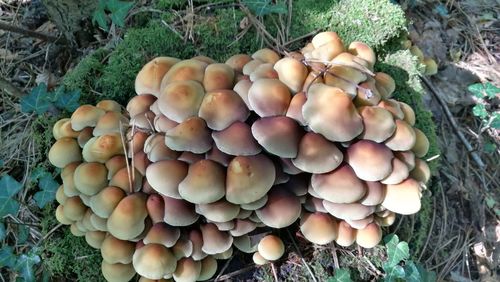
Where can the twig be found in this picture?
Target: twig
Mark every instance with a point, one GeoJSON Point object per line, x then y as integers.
{"type": "Point", "coordinates": [218, 278]}
{"type": "Point", "coordinates": [35, 34]}
{"type": "Point", "coordinates": [275, 274]}
{"type": "Point", "coordinates": [234, 273]}
{"type": "Point", "coordinates": [131, 188]}
{"type": "Point", "coordinates": [9, 88]}
{"type": "Point", "coordinates": [301, 256]}
{"type": "Point", "coordinates": [335, 257]}
{"type": "Point", "coordinates": [453, 123]}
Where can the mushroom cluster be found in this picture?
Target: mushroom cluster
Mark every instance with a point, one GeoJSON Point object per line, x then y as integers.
{"type": "Point", "coordinates": [208, 154]}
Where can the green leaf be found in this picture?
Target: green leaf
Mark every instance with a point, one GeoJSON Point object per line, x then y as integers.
{"type": "Point", "coordinates": [24, 265]}
{"type": "Point", "coordinates": [491, 90]}
{"type": "Point", "coordinates": [23, 233]}
{"type": "Point", "coordinates": [476, 89]}
{"type": "Point", "coordinates": [37, 101]}
{"type": "Point", "coordinates": [396, 251]}
{"type": "Point", "coordinates": [38, 173]}
{"type": "Point", "coordinates": [427, 276]}
{"type": "Point", "coordinates": [9, 187]}
{"type": "Point", "coordinates": [119, 11]}
{"type": "Point", "coordinates": [7, 257]}
{"type": "Point", "coordinates": [479, 110]}
{"type": "Point", "coordinates": [412, 273]}
{"type": "Point", "coordinates": [495, 123]}
{"type": "Point", "coordinates": [68, 101]}
{"type": "Point", "coordinates": [265, 7]}
{"type": "Point", "coordinates": [489, 148]}
{"type": "Point", "coordinates": [341, 275]}
{"type": "Point", "coordinates": [99, 17]}
{"type": "Point", "coordinates": [3, 231]}
{"type": "Point", "coordinates": [48, 188]}
{"type": "Point", "coordinates": [394, 273]}
{"type": "Point", "coordinates": [490, 202]}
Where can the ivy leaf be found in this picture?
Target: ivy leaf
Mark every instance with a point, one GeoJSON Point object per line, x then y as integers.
{"type": "Point", "coordinates": [8, 188]}
{"type": "Point", "coordinates": [491, 90]}
{"type": "Point", "coordinates": [427, 276]}
{"type": "Point", "coordinates": [341, 275]}
{"type": "Point", "coordinates": [3, 231]}
{"type": "Point", "coordinates": [38, 173]}
{"type": "Point", "coordinates": [395, 273]}
{"type": "Point", "coordinates": [24, 265]}
{"type": "Point", "coordinates": [68, 101]}
{"type": "Point", "coordinates": [37, 101]}
{"type": "Point", "coordinates": [412, 273]}
{"type": "Point", "coordinates": [265, 7]}
{"type": "Point", "coordinates": [495, 123]}
{"type": "Point", "coordinates": [396, 251]}
{"type": "Point", "coordinates": [23, 233]}
{"type": "Point", "coordinates": [119, 11]}
{"type": "Point", "coordinates": [99, 16]}
{"type": "Point", "coordinates": [7, 257]}
{"type": "Point", "coordinates": [479, 110]}
{"type": "Point", "coordinates": [48, 188]}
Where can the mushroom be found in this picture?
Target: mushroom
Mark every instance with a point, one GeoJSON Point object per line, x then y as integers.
{"type": "Point", "coordinates": [180, 100]}
{"type": "Point", "coordinates": [218, 76]}
{"type": "Point", "coordinates": [117, 272]}
{"type": "Point", "coordinates": [162, 233]}
{"type": "Point", "coordinates": [165, 176]}
{"type": "Point", "coordinates": [208, 268]}
{"type": "Point", "coordinates": [221, 108]}
{"type": "Point", "coordinates": [281, 209]}
{"type": "Point", "coordinates": [318, 228]}
{"type": "Point", "coordinates": [85, 116]}
{"type": "Point", "coordinates": [422, 145]}
{"type": "Point", "coordinates": [294, 110]}
{"type": "Point", "coordinates": [187, 270]}
{"type": "Point", "coordinates": [191, 135]}
{"type": "Point", "coordinates": [95, 238]}
{"type": "Point", "coordinates": [185, 70]}
{"type": "Point", "coordinates": [339, 186]}
{"type": "Point", "coordinates": [378, 123]}
{"type": "Point", "coordinates": [258, 259]}
{"type": "Point", "coordinates": [140, 104]}
{"type": "Point", "coordinates": [154, 261]}
{"type": "Point", "coordinates": [236, 140]}
{"type": "Point", "coordinates": [279, 135]}
{"type": "Point", "coordinates": [179, 212]}
{"type": "Point", "coordinates": [370, 161]}
{"type": "Point", "coordinates": [149, 78]}
{"type": "Point", "coordinates": [104, 202]}
{"type": "Point", "coordinates": [204, 183]}
{"type": "Point", "coordinates": [241, 88]}
{"type": "Point", "coordinates": [346, 234]}
{"type": "Point", "coordinates": [262, 71]}
{"type": "Point", "coordinates": [109, 106]}
{"type": "Point", "coordinates": [292, 73]}
{"type": "Point", "coordinates": [74, 209]}
{"type": "Point", "coordinates": [385, 84]}
{"type": "Point", "coordinates": [269, 97]}
{"type": "Point", "coordinates": [237, 61]}
{"type": "Point", "coordinates": [271, 247]}
{"type": "Point", "coordinates": [90, 178]}
{"type": "Point", "coordinates": [220, 211]}
{"type": "Point", "coordinates": [363, 51]}
{"type": "Point", "coordinates": [352, 211]}
{"type": "Point", "coordinates": [214, 240]}
{"type": "Point", "coordinates": [266, 55]}
{"type": "Point", "coordinates": [421, 172]}
{"type": "Point", "coordinates": [403, 139]}
{"type": "Point", "coordinates": [369, 236]}
{"type": "Point", "coordinates": [403, 198]}
{"type": "Point", "coordinates": [64, 151]}
{"type": "Point", "coordinates": [127, 220]}
{"type": "Point", "coordinates": [316, 154]}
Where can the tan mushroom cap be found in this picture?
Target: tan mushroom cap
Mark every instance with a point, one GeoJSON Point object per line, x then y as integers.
{"type": "Point", "coordinates": [74, 209]}
{"type": "Point", "coordinates": [109, 123]}
{"type": "Point", "coordinates": [75, 231]}
{"type": "Point", "coordinates": [330, 112]}
{"type": "Point", "coordinates": [191, 135]}
{"type": "Point", "coordinates": [279, 135]}
{"type": "Point", "coordinates": [117, 272]}
{"type": "Point", "coordinates": [370, 161]}
{"type": "Point", "coordinates": [136, 140]}
{"type": "Point", "coordinates": [156, 149]}
{"type": "Point", "coordinates": [181, 99]}
{"type": "Point", "coordinates": [62, 128]}
{"type": "Point", "coordinates": [216, 155]}
{"type": "Point", "coordinates": [318, 228]}
{"type": "Point", "coordinates": [224, 255]}
{"type": "Point", "coordinates": [385, 84]}
{"type": "Point", "coordinates": [325, 50]}
{"type": "Point", "coordinates": [269, 97]}
{"type": "Point", "coordinates": [244, 214]}
{"type": "Point", "coordinates": [102, 148]}
{"type": "Point", "coordinates": [99, 223]}
{"type": "Point", "coordinates": [68, 180]}
{"type": "Point", "coordinates": [85, 221]}
{"type": "Point", "coordinates": [140, 104]}
{"type": "Point", "coordinates": [204, 59]}
{"type": "Point", "coordinates": [244, 244]}
{"type": "Point", "coordinates": [214, 240]}
{"type": "Point", "coordinates": [352, 211]}
{"type": "Point", "coordinates": [61, 217]}
{"type": "Point", "coordinates": [165, 176]}
{"type": "Point", "coordinates": [143, 121]}
{"type": "Point", "coordinates": [114, 164]}
{"type": "Point", "coordinates": [183, 248]}
{"type": "Point", "coordinates": [185, 70]}
{"type": "Point", "coordinates": [127, 220]}
{"type": "Point", "coordinates": [271, 247]}
{"type": "Point", "coordinates": [249, 178]}
{"type": "Point", "coordinates": [222, 226]}
{"type": "Point", "coordinates": [179, 212]}
{"type": "Point", "coordinates": [149, 78]}
{"type": "Point", "coordinates": [367, 94]}
{"type": "Point", "coordinates": [294, 110]}
{"type": "Point", "coordinates": [266, 55]}
{"type": "Point", "coordinates": [292, 73]}
{"type": "Point", "coordinates": [85, 116]}
{"type": "Point", "coordinates": [84, 136]}
{"type": "Point", "coordinates": [262, 71]}
{"type": "Point", "coordinates": [95, 238]}
{"type": "Point", "coordinates": [121, 180]}
{"type": "Point", "coordinates": [220, 211]}
{"type": "Point", "coordinates": [221, 108]}
{"type": "Point", "coordinates": [363, 51]}
{"type": "Point", "coordinates": [60, 196]}
{"type": "Point", "coordinates": [162, 123]}
{"type": "Point", "coordinates": [360, 223]}
{"type": "Point", "coordinates": [346, 234]}
{"type": "Point", "coordinates": [162, 233]}
{"type": "Point", "coordinates": [422, 145]}
{"type": "Point", "coordinates": [387, 220]}
{"type": "Point", "coordinates": [154, 261]}
{"type": "Point", "coordinates": [403, 139]}
{"type": "Point", "coordinates": [403, 198]}
{"type": "Point", "coordinates": [187, 270]}
{"type": "Point", "coordinates": [64, 151]}
{"type": "Point", "coordinates": [237, 61]}
{"type": "Point", "coordinates": [218, 76]}
{"type": "Point", "coordinates": [258, 259]}
{"type": "Point", "coordinates": [281, 209]}
{"type": "Point", "coordinates": [409, 114]}
{"type": "Point", "coordinates": [242, 227]}
{"type": "Point", "coordinates": [378, 123]}
{"type": "Point", "coordinates": [374, 194]}
{"type": "Point", "coordinates": [317, 155]}
{"type": "Point", "coordinates": [90, 178]}
{"type": "Point", "coordinates": [392, 106]}
{"type": "Point", "coordinates": [155, 207]}
{"type": "Point", "coordinates": [315, 76]}
{"type": "Point", "coordinates": [242, 88]}
{"type": "Point", "coordinates": [399, 172]}
{"type": "Point", "coordinates": [236, 140]}
{"type": "Point", "coordinates": [109, 106]}
{"type": "Point", "coordinates": [421, 172]}
{"type": "Point", "coordinates": [339, 186]}
{"type": "Point", "coordinates": [408, 157]}
{"type": "Point", "coordinates": [249, 67]}
{"type": "Point", "coordinates": [208, 268]}
{"type": "Point", "coordinates": [369, 236]}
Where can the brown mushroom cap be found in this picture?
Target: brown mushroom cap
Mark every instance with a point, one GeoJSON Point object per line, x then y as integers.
{"type": "Point", "coordinates": [374, 194]}
{"type": "Point", "coordinates": [346, 234]}
{"type": "Point", "coordinates": [156, 150]}
{"type": "Point", "coordinates": [191, 135]}
{"type": "Point", "coordinates": [121, 180]}
{"type": "Point", "coordinates": [102, 148]}
{"type": "Point", "coordinates": [369, 236]}
{"type": "Point", "coordinates": [60, 196]}
{"type": "Point", "coordinates": [62, 128]}
{"type": "Point", "coordinates": [181, 99]}
{"type": "Point", "coordinates": [114, 164]}
{"type": "Point", "coordinates": [399, 172]}
{"type": "Point", "coordinates": [249, 178]}
{"type": "Point", "coordinates": [68, 180]}
{"type": "Point", "coordinates": [422, 145]}
{"type": "Point", "coordinates": [104, 202]}
{"type": "Point", "coordinates": [403, 198]}
{"type": "Point", "coordinates": [292, 73]}
{"type": "Point", "coordinates": [330, 112]}
{"type": "Point", "coordinates": [99, 223]}
{"type": "Point", "coordinates": [85, 116]}
{"type": "Point", "coordinates": [279, 135]}
{"type": "Point", "coordinates": [109, 123]}
{"type": "Point", "coordinates": [90, 178]}
{"type": "Point", "coordinates": [294, 110]}
{"type": "Point", "coordinates": [258, 259]}
{"type": "Point", "coordinates": [318, 228]}
{"type": "Point", "coordinates": [183, 248]}
{"type": "Point", "coordinates": [236, 140]}
{"type": "Point", "coordinates": [162, 233]}
{"type": "Point", "coordinates": [214, 240]}
{"type": "Point", "coordinates": [378, 123]}
{"type": "Point", "coordinates": [75, 231]}
{"type": "Point", "coordinates": [95, 238]}
{"type": "Point", "coordinates": [127, 220]}
{"type": "Point", "coordinates": [241, 88]}
{"type": "Point", "coordinates": [190, 158]}
{"type": "Point", "coordinates": [266, 55]}
{"type": "Point", "coordinates": [196, 238]}
{"type": "Point", "coordinates": [221, 108]}
{"type": "Point", "coordinates": [109, 106]}
{"type": "Point", "coordinates": [403, 139]}
{"type": "Point", "coordinates": [220, 211]}
{"type": "Point", "coordinates": [353, 211]}
{"type": "Point", "coordinates": [392, 106]}
{"type": "Point", "coordinates": [363, 51]}
{"type": "Point", "coordinates": [317, 155]}
{"type": "Point", "coordinates": [74, 209]}
{"type": "Point", "coordinates": [84, 136]}
{"type": "Point", "coordinates": [271, 247]}
{"type": "Point", "coordinates": [269, 97]}
{"type": "Point", "coordinates": [218, 76]}
{"type": "Point", "coordinates": [387, 220]}
{"type": "Point", "coordinates": [367, 94]}
{"type": "Point", "coordinates": [187, 270]}
{"type": "Point", "coordinates": [408, 157]}
{"type": "Point", "coordinates": [237, 61]}
{"type": "Point", "coordinates": [117, 272]}
{"type": "Point", "coordinates": [370, 161]}
{"type": "Point", "coordinates": [61, 217]}
{"type": "Point", "coordinates": [140, 104]}
{"type": "Point", "coordinates": [313, 204]}
{"type": "Point", "coordinates": [216, 155]}
{"type": "Point", "coordinates": [385, 84]}
{"type": "Point", "coordinates": [244, 244]}
{"type": "Point", "coordinates": [242, 227]}
{"type": "Point", "coordinates": [262, 71]}
{"type": "Point", "coordinates": [281, 209]}
{"type": "Point", "coordinates": [421, 172]}
{"type": "Point", "coordinates": [360, 223]}
{"type": "Point", "coordinates": [64, 151]}
{"type": "Point", "coordinates": [149, 78]}
{"type": "Point", "coordinates": [179, 212]}
{"type": "Point", "coordinates": [204, 183]}
{"type": "Point", "coordinates": [114, 250]}
{"type": "Point", "coordinates": [165, 176]}
{"type": "Point", "coordinates": [185, 70]}
{"type": "Point", "coordinates": [409, 114]}
{"type": "Point", "coordinates": [249, 67]}
{"type": "Point", "coordinates": [208, 268]}
{"type": "Point", "coordinates": [162, 123]}
{"type": "Point", "coordinates": [339, 186]}
{"type": "Point", "coordinates": [154, 261]}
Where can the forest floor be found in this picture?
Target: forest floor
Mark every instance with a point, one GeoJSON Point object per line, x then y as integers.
{"type": "Point", "coordinates": [462, 36]}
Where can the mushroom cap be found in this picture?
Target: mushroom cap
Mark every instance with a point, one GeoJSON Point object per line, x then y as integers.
{"type": "Point", "coordinates": [431, 67]}
{"type": "Point", "coordinates": [90, 178]}
{"type": "Point", "coordinates": [218, 76]}
{"type": "Point", "coordinates": [185, 70]}
{"type": "Point", "coordinates": [251, 66]}
{"type": "Point", "coordinates": [127, 220]}
{"type": "Point", "coordinates": [370, 161]}
{"type": "Point", "coordinates": [74, 230]}
{"type": "Point", "coordinates": [179, 212]}
{"type": "Point", "coordinates": [84, 136]}
{"type": "Point", "coordinates": [155, 207]}
{"type": "Point", "coordinates": [156, 150]}
{"type": "Point", "coordinates": [369, 236]}
{"type": "Point", "coordinates": [190, 158]}
{"type": "Point", "coordinates": [104, 202]}
{"type": "Point", "coordinates": [409, 114]}
{"type": "Point", "coordinates": [330, 112]}
{"type": "Point", "coordinates": [317, 155]}
{"type": "Point", "coordinates": [99, 223]}
{"type": "Point", "coordinates": [281, 209]}
{"type": "Point", "coordinates": [180, 100]}
{"type": "Point", "coordinates": [318, 228]}
{"type": "Point", "coordinates": [387, 220]}
{"type": "Point", "coordinates": [237, 61]}
{"type": "Point", "coordinates": [255, 205]}
{"type": "Point", "coordinates": [208, 268]}
{"type": "Point", "coordinates": [242, 227]}
{"type": "Point", "coordinates": [191, 135]}
{"type": "Point", "coordinates": [162, 233]}
{"type": "Point", "coordinates": [114, 164]}
{"type": "Point", "coordinates": [62, 128]}
{"type": "Point", "coordinates": [114, 250]}
{"type": "Point", "coordinates": [262, 71]}
{"type": "Point", "coordinates": [214, 240]}
{"type": "Point", "coordinates": [64, 151]}
{"type": "Point", "coordinates": [204, 59]}
{"type": "Point", "coordinates": [339, 186]}
{"type": "Point", "coordinates": [220, 211]}
{"type": "Point", "coordinates": [74, 209]}
{"type": "Point", "coordinates": [148, 80]}
{"type": "Point", "coordinates": [313, 204]}
{"type": "Point", "coordinates": [154, 261]}
{"type": "Point", "coordinates": [187, 270]}
{"type": "Point", "coordinates": [221, 108]}
{"type": "Point", "coordinates": [408, 157]}
{"type": "Point", "coordinates": [162, 123]}
{"type": "Point", "coordinates": [218, 156]}
{"type": "Point", "coordinates": [392, 106]}
{"type": "Point", "coordinates": [363, 51]}
{"type": "Point", "coordinates": [292, 73]}
{"type": "Point", "coordinates": [266, 55]}
{"type": "Point", "coordinates": [85, 116]}
{"type": "Point", "coordinates": [422, 145]}
{"type": "Point", "coordinates": [294, 110]}
{"type": "Point", "coordinates": [258, 259]}
{"type": "Point", "coordinates": [325, 37]}
{"type": "Point", "coordinates": [204, 183]}
{"type": "Point", "coordinates": [196, 239]}
{"type": "Point", "coordinates": [279, 135]}
{"type": "Point", "coordinates": [403, 139]}
{"type": "Point", "coordinates": [140, 104]}
{"type": "Point", "coordinates": [109, 106]}
{"type": "Point", "coordinates": [269, 97]}
{"type": "Point", "coordinates": [249, 178]}
{"type": "Point", "coordinates": [360, 223]}
{"type": "Point", "coordinates": [143, 121]}
{"type": "Point", "coordinates": [403, 198]}
{"type": "Point", "coordinates": [236, 140]}
{"type": "Point", "coordinates": [374, 194]}
{"type": "Point", "coordinates": [95, 238]}
{"type": "Point", "coordinates": [224, 255]}
{"type": "Point", "coordinates": [60, 196]}
{"type": "Point", "coordinates": [241, 88]}
{"type": "Point", "coordinates": [117, 272]}
{"type": "Point", "coordinates": [244, 244]}
{"type": "Point", "coordinates": [346, 234]}
{"type": "Point", "coordinates": [222, 226]}
{"type": "Point", "coordinates": [102, 148]}
{"type": "Point", "coordinates": [271, 247]}
{"type": "Point", "coordinates": [378, 123]}
{"type": "Point", "coordinates": [367, 94]}
{"type": "Point", "coordinates": [61, 217]}
{"type": "Point", "coordinates": [353, 211]}
{"type": "Point", "coordinates": [399, 172]}
{"type": "Point", "coordinates": [385, 84]}
{"type": "Point", "coordinates": [183, 248]}
{"type": "Point", "coordinates": [421, 172]}
{"type": "Point", "coordinates": [165, 176]}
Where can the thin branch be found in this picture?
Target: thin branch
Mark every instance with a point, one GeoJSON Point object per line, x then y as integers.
{"type": "Point", "coordinates": [27, 32]}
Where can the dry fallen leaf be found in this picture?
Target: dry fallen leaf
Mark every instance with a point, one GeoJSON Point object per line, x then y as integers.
{"type": "Point", "coordinates": [7, 54]}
